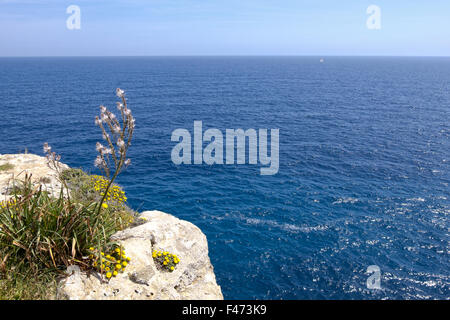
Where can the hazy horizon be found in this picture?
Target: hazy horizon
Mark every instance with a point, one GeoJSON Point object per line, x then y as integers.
{"type": "Point", "coordinates": [52, 28]}
{"type": "Point", "coordinates": [232, 56]}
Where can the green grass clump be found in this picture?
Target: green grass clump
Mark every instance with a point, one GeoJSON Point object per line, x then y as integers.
{"type": "Point", "coordinates": [19, 286]}
{"type": "Point", "coordinates": [41, 235]}
{"type": "Point", "coordinates": [6, 167]}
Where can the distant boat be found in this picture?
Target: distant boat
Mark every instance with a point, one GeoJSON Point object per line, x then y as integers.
{"type": "Point", "coordinates": [321, 60]}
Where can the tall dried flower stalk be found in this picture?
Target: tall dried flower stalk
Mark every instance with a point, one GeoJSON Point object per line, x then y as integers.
{"type": "Point", "coordinates": [53, 162]}
{"type": "Point", "coordinates": [118, 133]}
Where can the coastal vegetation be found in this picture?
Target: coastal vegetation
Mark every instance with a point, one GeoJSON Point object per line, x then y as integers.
{"type": "Point", "coordinates": [42, 234]}
{"type": "Point", "coordinates": [109, 264]}
{"type": "Point", "coordinates": [165, 260]}
{"type": "Point", "coordinates": [6, 167]}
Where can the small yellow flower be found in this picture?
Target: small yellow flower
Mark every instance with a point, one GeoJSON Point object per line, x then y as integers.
{"type": "Point", "coordinates": [172, 268]}
{"type": "Point", "coordinates": [108, 275]}
{"type": "Point", "coordinates": [124, 263]}
{"type": "Point", "coordinates": [115, 273]}
{"type": "Point", "coordinates": [118, 266]}
{"type": "Point", "coordinates": [104, 205]}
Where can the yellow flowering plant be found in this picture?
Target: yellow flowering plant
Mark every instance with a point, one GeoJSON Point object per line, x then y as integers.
{"type": "Point", "coordinates": [8, 203]}
{"type": "Point", "coordinates": [114, 195]}
{"type": "Point", "coordinates": [87, 188]}
{"type": "Point", "coordinates": [110, 264]}
{"type": "Point", "coordinates": [165, 260]}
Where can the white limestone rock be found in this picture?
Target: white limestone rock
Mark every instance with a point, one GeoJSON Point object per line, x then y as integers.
{"type": "Point", "coordinates": [193, 278]}
{"type": "Point", "coordinates": [23, 164]}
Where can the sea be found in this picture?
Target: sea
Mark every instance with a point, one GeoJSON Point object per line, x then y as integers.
{"type": "Point", "coordinates": [359, 208]}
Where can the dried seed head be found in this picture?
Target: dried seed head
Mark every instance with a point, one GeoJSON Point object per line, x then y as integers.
{"type": "Point", "coordinates": [119, 92]}
{"type": "Point", "coordinates": [98, 162]}
{"type": "Point", "coordinates": [115, 129]}
{"type": "Point", "coordinates": [120, 143]}
{"type": "Point", "coordinates": [47, 148]}
{"type": "Point", "coordinates": [99, 147]}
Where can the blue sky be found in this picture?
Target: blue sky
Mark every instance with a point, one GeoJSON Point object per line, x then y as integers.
{"type": "Point", "coordinates": [226, 27]}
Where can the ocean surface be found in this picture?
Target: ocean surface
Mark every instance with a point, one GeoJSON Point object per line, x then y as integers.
{"type": "Point", "coordinates": [364, 161]}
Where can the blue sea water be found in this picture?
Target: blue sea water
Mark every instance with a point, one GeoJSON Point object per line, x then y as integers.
{"type": "Point", "coordinates": [364, 161]}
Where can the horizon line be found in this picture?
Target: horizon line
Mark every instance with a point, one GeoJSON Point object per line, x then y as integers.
{"type": "Point", "coordinates": [232, 55]}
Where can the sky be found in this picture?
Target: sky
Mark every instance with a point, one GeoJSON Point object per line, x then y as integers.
{"type": "Point", "coordinates": [225, 27]}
